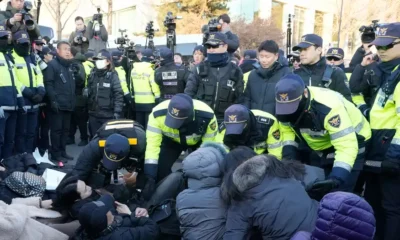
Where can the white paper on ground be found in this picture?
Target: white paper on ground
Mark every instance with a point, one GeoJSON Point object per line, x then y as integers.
{"type": "Point", "coordinates": [52, 178]}
{"type": "Point", "coordinates": [40, 159]}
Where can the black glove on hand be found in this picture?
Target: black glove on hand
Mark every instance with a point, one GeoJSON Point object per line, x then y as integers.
{"type": "Point", "coordinates": [319, 189]}
{"type": "Point", "coordinates": [149, 188]}
{"type": "Point", "coordinates": [37, 98]}
{"type": "Point", "coordinates": [54, 107]}
{"type": "Point", "coordinates": [390, 168]}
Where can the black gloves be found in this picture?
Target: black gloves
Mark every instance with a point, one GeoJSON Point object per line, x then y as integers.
{"type": "Point", "coordinates": [390, 168]}
{"type": "Point", "coordinates": [37, 98]}
{"type": "Point", "coordinates": [319, 189]}
{"type": "Point", "coordinates": [149, 188]}
{"type": "Point", "coordinates": [54, 107]}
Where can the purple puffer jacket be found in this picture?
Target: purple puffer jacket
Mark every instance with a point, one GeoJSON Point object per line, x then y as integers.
{"type": "Point", "coordinates": [342, 216]}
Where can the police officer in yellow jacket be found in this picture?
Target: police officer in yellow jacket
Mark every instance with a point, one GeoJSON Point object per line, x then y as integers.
{"type": "Point", "coordinates": [145, 90]}
{"type": "Point", "coordinates": [117, 57]}
{"type": "Point", "coordinates": [174, 126]}
{"type": "Point", "coordinates": [329, 125]}
{"type": "Point", "coordinates": [29, 74]}
{"type": "Point", "coordinates": [10, 96]}
{"type": "Point", "coordinates": [250, 58]}
{"type": "Point", "coordinates": [88, 64]}
{"type": "Point", "coordinates": [382, 190]}
{"type": "Point", "coordinates": [252, 128]}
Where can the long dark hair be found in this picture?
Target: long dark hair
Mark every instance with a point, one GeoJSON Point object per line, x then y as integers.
{"type": "Point", "coordinates": [66, 193]}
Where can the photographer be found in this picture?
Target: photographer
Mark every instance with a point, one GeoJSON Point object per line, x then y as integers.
{"type": "Point", "coordinates": [97, 33]}
{"type": "Point", "coordinates": [367, 36]}
{"type": "Point", "coordinates": [17, 17]}
{"type": "Point", "coordinates": [232, 39]}
{"type": "Point", "coordinates": [78, 38]}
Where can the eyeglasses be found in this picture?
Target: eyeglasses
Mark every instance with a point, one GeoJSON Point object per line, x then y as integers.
{"type": "Point", "coordinates": [333, 58]}
{"type": "Point", "coordinates": [295, 59]}
{"type": "Point", "coordinates": [217, 46]}
{"type": "Point", "coordinates": [387, 47]}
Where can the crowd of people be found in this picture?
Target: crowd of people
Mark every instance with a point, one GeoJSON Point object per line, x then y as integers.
{"type": "Point", "coordinates": [271, 148]}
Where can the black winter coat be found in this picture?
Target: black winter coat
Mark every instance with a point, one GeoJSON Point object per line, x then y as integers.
{"type": "Point", "coordinates": [312, 76]}
{"type": "Point", "coordinates": [105, 94]}
{"type": "Point", "coordinates": [276, 207]}
{"type": "Point", "coordinates": [60, 91]}
{"type": "Point", "coordinates": [232, 41]}
{"type": "Point", "coordinates": [260, 88]}
{"type": "Point", "coordinates": [80, 79]}
{"type": "Point", "coordinates": [356, 59]}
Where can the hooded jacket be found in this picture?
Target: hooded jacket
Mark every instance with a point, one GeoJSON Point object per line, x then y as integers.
{"type": "Point", "coordinates": [16, 223]}
{"type": "Point", "coordinates": [201, 210]}
{"type": "Point", "coordinates": [267, 202]}
{"type": "Point", "coordinates": [260, 88]}
{"type": "Point", "coordinates": [342, 216]}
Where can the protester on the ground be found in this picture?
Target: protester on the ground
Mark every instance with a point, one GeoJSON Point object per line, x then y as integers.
{"type": "Point", "coordinates": [79, 38]}
{"type": "Point", "coordinates": [98, 222]}
{"type": "Point", "coordinates": [104, 92]}
{"type": "Point", "coordinates": [262, 191]}
{"type": "Point", "coordinates": [200, 208]}
{"type": "Point", "coordinates": [60, 88]}
{"type": "Point", "coordinates": [261, 81]}
{"type": "Point", "coordinates": [342, 216]}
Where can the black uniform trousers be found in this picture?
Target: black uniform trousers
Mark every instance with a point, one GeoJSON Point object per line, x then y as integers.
{"type": "Point", "coordinates": [142, 117]}
{"type": "Point", "coordinates": [79, 120]}
{"type": "Point", "coordinates": [95, 123]}
{"type": "Point", "coordinates": [26, 131]}
{"type": "Point", "coordinates": [59, 130]}
{"type": "Point", "coordinates": [8, 125]}
{"type": "Point", "coordinates": [42, 130]}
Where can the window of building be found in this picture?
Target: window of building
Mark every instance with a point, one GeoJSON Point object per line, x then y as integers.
{"type": "Point", "coordinates": [124, 19]}
{"type": "Point", "coordinates": [298, 24]}
{"type": "Point", "coordinates": [277, 14]}
{"type": "Point", "coordinates": [319, 23]}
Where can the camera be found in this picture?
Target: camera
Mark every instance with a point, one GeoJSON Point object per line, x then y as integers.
{"type": "Point", "coordinates": [26, 16]}
{"type": "Point", "coordinates": [123, 39]}
{"type": "Point", "coordinates": [169, 21]}
{"type": "Point", "coordinates": [150, 29]}
{"type": "Point", "coordinates": [126, 45]}
{"type": "Point", "coordinates": [214, 25]}
{"type": "Point", "coordinates": [79, 37]}
{"type": "Point", "coordinates": [98, 16]}
{"type": "Point", "coordinates": [370, 28]}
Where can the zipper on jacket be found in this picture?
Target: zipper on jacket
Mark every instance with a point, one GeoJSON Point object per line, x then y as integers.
{"type": "Point", "coordinates": [97, 92]}
{"type": "Point", "coordinates": [216, 92]}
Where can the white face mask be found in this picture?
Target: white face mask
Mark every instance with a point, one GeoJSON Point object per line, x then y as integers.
{"type": "Point", "coordinates": [101, 64]}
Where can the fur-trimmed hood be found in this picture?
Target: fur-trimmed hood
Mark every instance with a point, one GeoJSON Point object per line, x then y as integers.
{"type": "Point", "coordinates": [250, 173]}
{"type": "Point", "coordinates": [204, 167]}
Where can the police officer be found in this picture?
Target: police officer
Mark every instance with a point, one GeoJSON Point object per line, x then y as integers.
{"type": "Point", "coordinates": [30, 76]}
{"type": "Point", "coordinates": [382, 189]}
{"type": "Point", "coordinates": [252, 128]}
{"type": "Point", "coordinates": [174, 126]}
{"type": "Point", "coordinates": [117, 57]}
{"type": "Point", "coordinates": [11, 96]}
{"type": "Point", "coordinates": [313, 69]}
{"type": "Point", "coordinates": [88, 64]}
{"type": "Point", "coordinates": [217, 81]}
{"type": "Point", "coordinates": [250, 58]}
{"type": "Point", "coordinates": [329, 125]}
{"type": "Point", "coordinates": [145, 90]}
{"type": "Point", "coordinates": [117, 144]}
{"type": "Point", "coordinates": [105, 96]}
{"type": "Point", "coordinates": [171, 78]}
{"type": "Point", "coordinates": [334, 57]}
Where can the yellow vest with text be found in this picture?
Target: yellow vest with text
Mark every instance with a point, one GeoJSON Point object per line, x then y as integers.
{"type": "Point", "coordinates": [145, 88]}
{"type": "Point", "coordinates": [122, 78]}
{"type": "Point", "coordinates": [10, 87]}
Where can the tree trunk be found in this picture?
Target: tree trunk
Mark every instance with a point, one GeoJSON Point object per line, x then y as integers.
{"type": "Point", "coordinates": [58, 20]}
{"type": "Point", "coordinates": [110, 17]}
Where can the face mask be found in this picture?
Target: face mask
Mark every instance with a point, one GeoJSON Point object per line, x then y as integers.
{"type": "Point", "coordinates": [218, 59]}
{"type": "Point", "coordinates": [101, 64]}
{"type": "Point", "coordinates": [22, 49]}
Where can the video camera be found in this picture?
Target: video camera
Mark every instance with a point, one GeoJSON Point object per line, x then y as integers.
{"type": "Point", "coordinates": [98, 16]}
{"type": "Point", "coordinates": [79, 37]}
{"type": "Point", "coordinates": [25, 14]}
{"type": "Point", "coordinates": [169, 21]}
{"type": "Point", "coordinates": [150, 29]}
{"type": "Point", "coordinates": [371, 28]}
{"type": "Point", "coordinates": [126, 45]}
{"type": "Point", "coordinates": [212, 26]}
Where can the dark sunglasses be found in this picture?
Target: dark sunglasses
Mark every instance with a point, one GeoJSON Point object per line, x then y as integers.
{"type": "Point", "coordinates": [295, 59]}
{"type": "Point", "coordinates": [387, 47]}
{"type": "Point", "coordinates": [39, 44]}
{"type": "Point", "coordinates": [217, 46]}
{"type": "Point", "coordinates": [333, 58]}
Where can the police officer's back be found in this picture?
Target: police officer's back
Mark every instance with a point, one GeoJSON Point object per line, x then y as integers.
{"type": "Point", "coordinates": [118, 143]}
{"type": "Point", "coordinates": [16, 21]}
{"type": "Point", "coordinates": [170, 77]}
{"type": "Point", "coordinates": [217, 81]}
{"type": "Point", "coordinates": [313, 69]}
